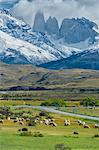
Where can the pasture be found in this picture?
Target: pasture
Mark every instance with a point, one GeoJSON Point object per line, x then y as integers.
{"type": "Point", "coordinates": [10, 138]}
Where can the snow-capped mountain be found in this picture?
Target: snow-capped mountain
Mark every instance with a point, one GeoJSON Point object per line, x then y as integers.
{"type": "Point", "coordinates": [21, 45]}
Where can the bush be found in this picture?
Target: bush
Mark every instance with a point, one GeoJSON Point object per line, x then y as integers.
{"type": "Point", "coordinates": [37, 134]}
{"type": "Point", "coordinates": [43, 114]}
{"type": "Point", "coordinates": [28, 133]}
{"type": "Point", "coordinates": [89, 101]}
{"type": "Point", "coordinates": [55, 103]}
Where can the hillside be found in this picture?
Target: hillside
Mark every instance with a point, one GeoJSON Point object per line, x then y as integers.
{"type": "Point", "coordinates": [88, 59]}
{"type": "Point", "coordinates": [29, 76]}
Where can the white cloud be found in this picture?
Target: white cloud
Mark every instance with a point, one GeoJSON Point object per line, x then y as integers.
{"type": "Point", "coordinates": [59, 8]}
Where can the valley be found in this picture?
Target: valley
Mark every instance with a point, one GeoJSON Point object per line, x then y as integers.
{"type": "Point", "coordinates": [49, 75]}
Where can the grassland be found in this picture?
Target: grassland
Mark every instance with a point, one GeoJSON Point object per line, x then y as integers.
{"type": "Point", "coordinates": [70, 106]}
{"type": "Point", "coordinates": [10, 138]}
{"type": "Point", "coordinates": [69, 85]}
{"type": "Point", "coordinates": [82, 110]}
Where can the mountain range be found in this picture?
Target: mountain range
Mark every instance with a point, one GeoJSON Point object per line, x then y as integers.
{"type": "Point", "coordinates": [48, 45]}
{"type": "Point", "coordinates": [71, 30]}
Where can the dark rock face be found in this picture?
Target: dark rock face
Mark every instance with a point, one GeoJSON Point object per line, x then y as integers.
{"type": "Point", "coordinates": [39, 22]}
{"type": "Point", "coordinates": [77, 30]}
{"type": "Point", "coordinates": [71, 30]}
{"type": "Point", "coordinates": [52, 26]}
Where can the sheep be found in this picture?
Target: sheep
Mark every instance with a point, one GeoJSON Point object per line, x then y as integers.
{"type": "Point", "coordinates": [66, 122]}
{"type": "Point", "coordinates": [52, 120]}
{"type": "Point", "coordinates": [53, 124]}
{"type": "Point", "coordinates": [1, 121]}
{"type": "Point", "coordinates": [24, 129]}
{"type": "Point", "coordinates": [83, 123]}
{"type": "Point", "coordinates": [21, 123]}
{"type": "Point", "coordinates": [75, 132]}
{"type": "Point", "coordinates": [86, 126]}
{"type": "Point", "coordinates": [8, 118]}
{"type": "Point", "coordinates": [27, 119]}
{"type": "Point", "coordinates": [37, 118]}
{"type": "Point", "coordinates": [41, 122]}
{"type": "Point", "coordinates": [15, 121]}
{"type": "Point", "coordinates": [46, 122]}
{"type": "Point", "coordinates": [80, 122]}
{"type": "Point", "coordinates": [97, 126]}
{"type": "Point", "coordinates": [22, 119]}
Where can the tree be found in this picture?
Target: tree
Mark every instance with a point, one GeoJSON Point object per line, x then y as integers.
{"type": "Point", "coordinates": [89, 101]}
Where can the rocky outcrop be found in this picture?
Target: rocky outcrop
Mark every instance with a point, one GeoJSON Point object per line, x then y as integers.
{"type": "Point", "coordinates": [39, 22]}
{"type": "Point", "coordinates": [52, 26]}
{"type": "Point", "coordinates": [77, 30]}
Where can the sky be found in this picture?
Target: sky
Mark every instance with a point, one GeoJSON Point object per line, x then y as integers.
{"type": "Point", "coordinates": [60, 9]}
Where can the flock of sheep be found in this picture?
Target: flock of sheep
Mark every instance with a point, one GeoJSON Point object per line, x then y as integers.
{"type": "Point", "coordinates": [50, 122]}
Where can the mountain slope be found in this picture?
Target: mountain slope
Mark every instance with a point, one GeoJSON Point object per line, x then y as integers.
{"type": "Point", "coordinates": [88, 59]}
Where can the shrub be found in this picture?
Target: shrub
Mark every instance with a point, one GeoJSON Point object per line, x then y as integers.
{"type": "Point", "coordinates": [37, 134]}
{"type": "Point", "coordinates": [43, 114]}
{"type": "Point", "coordinates": [28, 133]}
{"type": "Point", "coordinates": [89, 101]}
{"type": "Point", "coordinates": [55, 103]}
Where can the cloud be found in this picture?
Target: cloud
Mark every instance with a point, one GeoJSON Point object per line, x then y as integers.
{"type": "Point", "coordinates": [26, 9]}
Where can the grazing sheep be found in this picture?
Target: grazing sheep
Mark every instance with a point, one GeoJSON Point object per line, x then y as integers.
{"type": "Point", "coordinates": [27, 119]}
{"type": "Point", "coordinates": [37, 118]}
{"type": "Point", "coordinates": [24, 129]}
{"type": "Point", "coordinates": [8, 118]}
{"type": "Point", "coordinates": [97, 126]}
{"type": "Point", "coordinates": [52, 120]}
{"type": "Point", "coordinates": [30, 124]}
{"type": "Point", "coordinates": [46, 122]}
{"type": "Point", "coordinates": [53, 124]}
{"type": "Point", "coordinates": [86, 126]}
{"type": "Point", "coordinates": [1, 121]}
{"type": "Point", "coordinates": [81, 122]}
{"type": "Point", "coordinates": [15, 121]}
{"type": "Point", "coordinates": [41, 122]}
{"type": "Point", "coordinates": [75, 132]}
{"type": "Point", "coordinates": [21, 123]}
{"type": "Point", "coordinates": [66, 122]}
{"type": "Point", "coordinates": [22, 119]}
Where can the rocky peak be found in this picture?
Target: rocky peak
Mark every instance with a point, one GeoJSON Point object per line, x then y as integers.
{"type": "Point", "coordinates": [39, 22]}
{"type": "Point", "coordinates": [52, 26]}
